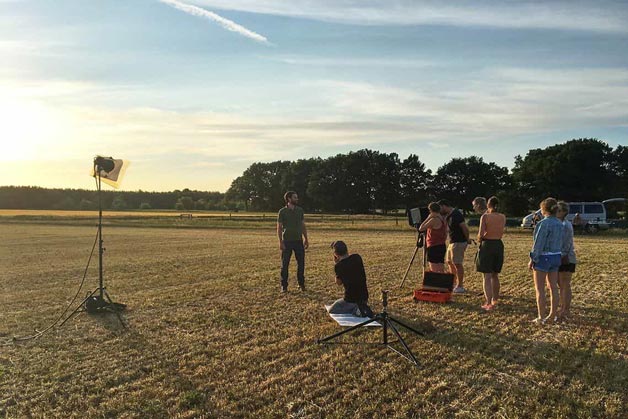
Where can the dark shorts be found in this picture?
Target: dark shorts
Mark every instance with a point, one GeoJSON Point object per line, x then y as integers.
{"type": "Point", "coordinates": [490, 257]}
{"type": "Point", "coordinates": [567, 267]}
{"type": "Point", "coordinates": [436, 254]}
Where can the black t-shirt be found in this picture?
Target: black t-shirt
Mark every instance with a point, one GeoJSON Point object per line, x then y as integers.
{"type": "Point", "coordinates": [351, 272]}
{"type": "Point", "coordinates": [456, 235]}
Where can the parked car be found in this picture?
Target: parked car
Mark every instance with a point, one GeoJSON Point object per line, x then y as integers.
{"type": "Point", "coordinates": [528, 220]}
{"type": "Point", "coordinates": [592, 216]}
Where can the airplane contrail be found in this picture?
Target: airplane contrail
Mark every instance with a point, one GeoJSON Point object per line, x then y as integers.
{"type": "Point", "coordinates": [225, 23]}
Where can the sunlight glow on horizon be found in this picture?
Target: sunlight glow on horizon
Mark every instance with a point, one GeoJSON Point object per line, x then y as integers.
{"type": "Point", "coordinates": [192, 104]}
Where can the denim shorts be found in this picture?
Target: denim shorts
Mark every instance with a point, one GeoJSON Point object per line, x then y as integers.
{"type": "Point", "coordinates": [548, 263]}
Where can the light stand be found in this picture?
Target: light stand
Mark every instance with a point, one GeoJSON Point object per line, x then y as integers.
{"type": "Point", "coordinates": [388, 322]}
{"type": "Point", "coordinates": [420, 242]}
{"type": "Point", "coordinates": [99, 301]}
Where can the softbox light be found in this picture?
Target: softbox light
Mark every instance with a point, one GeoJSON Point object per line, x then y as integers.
{"type": "Point", "coordinates": [111, 170]}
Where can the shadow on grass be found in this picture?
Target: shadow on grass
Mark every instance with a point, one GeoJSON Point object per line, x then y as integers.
{"type": "Point", "coordinates": [594, 369]}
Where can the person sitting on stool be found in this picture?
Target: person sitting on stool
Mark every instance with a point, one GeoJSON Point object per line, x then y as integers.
{"type": "Point", "coordinates": [351, 275]}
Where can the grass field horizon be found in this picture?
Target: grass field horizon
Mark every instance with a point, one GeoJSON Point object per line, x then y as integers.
{"type": "Point", "coordinates": [209, 334]}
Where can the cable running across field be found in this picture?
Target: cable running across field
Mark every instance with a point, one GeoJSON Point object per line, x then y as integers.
{"type": "Point", "coordinates": [53, 324]}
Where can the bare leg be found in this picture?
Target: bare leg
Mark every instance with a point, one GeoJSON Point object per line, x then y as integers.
{"type": "Point", "coordinates": [552, 283]}
{"type": "Point", "coordinates": [496, 287]}
{"type": "Point", "coordinates": [437, 267]}
{"type": "Point", "coordinates": [564, 282]}
{"type": "Point", "coordinates": [488, 289]}
{"type": "Point", "coordinates": [452, 269]}
{"type": "Point", "coordinates": [459, 275]}
{"type": "Point", "coordinates": [539, 285]}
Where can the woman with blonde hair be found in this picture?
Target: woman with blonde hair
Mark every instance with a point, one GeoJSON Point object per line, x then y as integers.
{"type": "Point", "coordinates": [490, 258]}
{"type": "Point", "coordinates": [567, 263]}
{"type": "Point", "coordinates": [545, 259]}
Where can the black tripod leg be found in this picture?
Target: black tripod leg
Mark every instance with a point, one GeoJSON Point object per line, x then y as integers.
{"type": "Point", "coordinates": [352, 328]}
{"type": "Point", "coordinates": [416, 250]}
{"type": "Point", "coordinates": [403, 342]}
{"type": "Point", "coordinates": [79, 307]}
{"type": "Point", "coordinates": [412, 329]}
{"type": "Point", "coordinates": [113, 308]}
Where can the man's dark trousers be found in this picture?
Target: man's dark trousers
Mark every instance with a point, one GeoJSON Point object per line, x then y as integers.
{"type": "Point", "coordinates": [295, 246]}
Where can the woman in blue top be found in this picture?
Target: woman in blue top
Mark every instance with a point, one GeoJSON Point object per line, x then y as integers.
{"type": "Point", "coordinates": [545, 259]}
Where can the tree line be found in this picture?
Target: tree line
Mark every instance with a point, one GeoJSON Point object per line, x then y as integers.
{"type": "Point", "coordinates": [366, 181]}
{"type": "Point", "coordinates": [27, 197]}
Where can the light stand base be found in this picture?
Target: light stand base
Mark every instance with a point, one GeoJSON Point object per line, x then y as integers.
{"type": "Point", "coordinates": [387, 322]}
{"type": "Point", "coordinates": [98, 302]}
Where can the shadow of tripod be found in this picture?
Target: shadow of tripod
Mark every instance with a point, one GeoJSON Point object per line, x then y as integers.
{"type": "Point", "coordinates": [388, 322]}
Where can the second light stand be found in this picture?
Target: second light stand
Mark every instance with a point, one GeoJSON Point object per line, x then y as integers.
{"type": "Point", "coordinates": [388, 322]}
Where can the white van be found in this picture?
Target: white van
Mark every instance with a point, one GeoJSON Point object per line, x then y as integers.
{"type": "Point", "coordinates": [592, 214]}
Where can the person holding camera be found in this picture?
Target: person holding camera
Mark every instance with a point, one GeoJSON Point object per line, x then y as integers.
{"type": "Point", "coordinates": [435, 228]}
{"type": "Point", "coordinates": [458, 241]}
{"type": "Point", "coordinates": [292, 238]}
{"type": "Point", "coordinates": [350, 274]}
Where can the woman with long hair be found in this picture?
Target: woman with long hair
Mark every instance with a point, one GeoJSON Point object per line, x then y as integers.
{"type": "Point", "coordinates": [545, 259]}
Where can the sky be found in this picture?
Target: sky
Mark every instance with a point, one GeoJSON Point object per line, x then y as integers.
{"type": "Point", "coordinates": [192, 92]}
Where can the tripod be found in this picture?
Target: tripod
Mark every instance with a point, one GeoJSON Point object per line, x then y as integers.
{"type": "Point", "coordinates": [420, 238]}
{"type": "Point", "coordinates": [388, 322]}
{"type": "Point", "coordinates": [99, 301]}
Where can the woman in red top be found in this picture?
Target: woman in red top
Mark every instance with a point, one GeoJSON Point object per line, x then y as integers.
{"type": "Point", "coordinates": [435, 239]}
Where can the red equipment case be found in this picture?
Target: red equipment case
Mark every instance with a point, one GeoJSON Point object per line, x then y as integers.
{"type": "Point", "coordinates": [436, 287]}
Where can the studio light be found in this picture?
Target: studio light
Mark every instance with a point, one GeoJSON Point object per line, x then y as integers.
{"type": "Point", "coordinates": [111, 171]}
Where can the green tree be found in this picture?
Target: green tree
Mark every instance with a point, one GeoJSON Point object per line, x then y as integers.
{"type": "Point", "coordinates": [578, 170]}
{"type": "Point", "coordinates": [386, 181]}
{"type": "Point", "coordinates": [86, 204]}
{"type": "Point", "coordinates": [118, 203]}
{"type": "Point", "coordinates": [462, 179]}
{"type": "Point", "coordinates": [187, 202]}
{"type": "Point", "coordinates": [619, 169]}
{"type": "Point", "coordinates": [414, 182]}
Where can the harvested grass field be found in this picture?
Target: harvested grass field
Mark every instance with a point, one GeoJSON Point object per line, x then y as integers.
{"type": "Point", "coordinates": [200, 219]}
{"type": "Point", "coordinates": [209, 334]}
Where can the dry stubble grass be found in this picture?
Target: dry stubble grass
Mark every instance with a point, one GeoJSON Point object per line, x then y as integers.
{"type": "Point", "coordinates": [209, 334]}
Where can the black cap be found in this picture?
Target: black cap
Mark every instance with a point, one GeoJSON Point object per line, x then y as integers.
{"type": "Point", "coordinates": [340, 247]}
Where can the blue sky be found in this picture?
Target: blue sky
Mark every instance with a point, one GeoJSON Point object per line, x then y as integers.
{"type": "Point", "coordinates": [192, 92]}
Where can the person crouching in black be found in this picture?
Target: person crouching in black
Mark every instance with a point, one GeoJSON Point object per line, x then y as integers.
{"type": "Point", "coordinates": [351, 275]}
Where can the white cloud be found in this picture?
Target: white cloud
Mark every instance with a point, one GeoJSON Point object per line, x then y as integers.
{"type": "Point", "coordinates": [484, 109]}
{"type": "Point", "coordinates": [306, 60]}
{"type": "Point", "coordinates": [225, 23]}
{"type": "Point", "coordinates": [494, 104]}
{"type": "Point", "coordinates": [602, 16]}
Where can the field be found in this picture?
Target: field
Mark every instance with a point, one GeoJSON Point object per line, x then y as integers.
{"type": "Point", "coordinates": [209, 334]}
